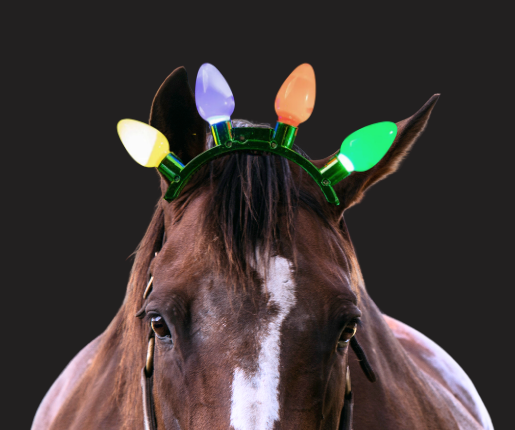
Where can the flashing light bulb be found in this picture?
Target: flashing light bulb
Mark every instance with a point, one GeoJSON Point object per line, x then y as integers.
{"type": "Point", "coordinates": [143, 142]}
{"type": "Point", "coordinates": [213, 96]}
{"type": "Point", "coordinates": [364, 148]}
{"type": "Point", "coordinates": [296, 98]}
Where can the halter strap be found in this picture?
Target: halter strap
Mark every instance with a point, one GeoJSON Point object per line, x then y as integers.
{"type": "Point", "coordinates": [149, 417]}
{"type": "Point", "coordinates": [348, 406]}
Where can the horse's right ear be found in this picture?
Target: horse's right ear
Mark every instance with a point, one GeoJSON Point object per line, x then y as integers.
{"type": "Point", "coordinates": [174, 113]}
{"type": "Point", "coordinates": [351, 190]}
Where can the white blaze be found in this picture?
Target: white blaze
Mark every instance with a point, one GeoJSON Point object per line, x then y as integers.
{"type": "Point", "coordinates": [255, 397]}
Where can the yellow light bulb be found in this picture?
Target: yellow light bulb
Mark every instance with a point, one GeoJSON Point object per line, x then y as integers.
{"type": "Point", "coordinates": [143, 142]}
{"type": "Point", "coordinates": [296, 98]}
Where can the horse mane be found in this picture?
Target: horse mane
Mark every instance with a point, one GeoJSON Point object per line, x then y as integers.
{"type": "Point", "coordinates": [251, 211]}
{"type": "Point", "coordinates": [249, 216]}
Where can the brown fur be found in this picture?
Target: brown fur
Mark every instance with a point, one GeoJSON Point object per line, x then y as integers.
{"type": "Point", "coordinates": [207, 287]}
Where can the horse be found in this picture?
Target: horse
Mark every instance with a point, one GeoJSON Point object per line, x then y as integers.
{"type": "Point", "coordinates": [246, 309]}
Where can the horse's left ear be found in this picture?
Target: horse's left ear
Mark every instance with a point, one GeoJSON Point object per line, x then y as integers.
{"type": "Point", "coordinates": [174, 113]}
{"type": "Point", "coordinates": [352, 189]}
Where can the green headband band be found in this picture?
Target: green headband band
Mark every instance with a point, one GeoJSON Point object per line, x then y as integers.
{"type": "Point", "coordinates": [228, 139]}
{"type": "Point", "coordinates": [360, 151]}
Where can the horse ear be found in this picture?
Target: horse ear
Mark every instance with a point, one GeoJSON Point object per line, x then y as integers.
{"type": "Point", "coordinates": [174, 114]}
{"type": "Point", "coordinates": [352, 189]}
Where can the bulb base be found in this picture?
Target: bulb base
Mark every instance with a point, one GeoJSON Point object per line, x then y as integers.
{"type": "Point", "coordinates": [284, 134]}
{"type": "Point", "coordinates": [334, 171]}
{"type": "Point", "coordinates": [222, 132]}
{"type": "Point", "coordinates": [171, 167]}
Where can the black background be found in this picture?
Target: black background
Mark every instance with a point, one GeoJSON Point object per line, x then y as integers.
{"type": "Point", "coordinates": [433, 240]}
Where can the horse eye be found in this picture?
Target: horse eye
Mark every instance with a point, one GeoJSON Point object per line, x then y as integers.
{"type": "Point", "coordinates": [347, 334]}
{"type": "Point", "coordinates": [159, 326]}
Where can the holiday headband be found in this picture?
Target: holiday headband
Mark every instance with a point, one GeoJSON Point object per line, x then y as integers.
{"type": "Point", "coordinates": [294, 104]}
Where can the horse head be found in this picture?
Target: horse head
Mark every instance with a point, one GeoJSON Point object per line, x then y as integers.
{"type": "Point", "coordinates": [245, 295]}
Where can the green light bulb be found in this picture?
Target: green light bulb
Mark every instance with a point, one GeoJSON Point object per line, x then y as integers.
{"type": "Point", "coordinates": [364, 148]}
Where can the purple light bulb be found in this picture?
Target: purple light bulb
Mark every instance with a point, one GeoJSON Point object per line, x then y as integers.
{"type": "Point", "coordinates": [214, 99]}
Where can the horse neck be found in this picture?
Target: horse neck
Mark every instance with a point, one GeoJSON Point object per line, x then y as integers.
{"type": "Point", "coordinates": [106, 394]}
{"type": "Point", "coordinates": [401, 385]}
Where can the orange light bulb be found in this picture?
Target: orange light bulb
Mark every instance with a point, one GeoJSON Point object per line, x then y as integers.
{"type": "Point", "coordinates": [295, 100]}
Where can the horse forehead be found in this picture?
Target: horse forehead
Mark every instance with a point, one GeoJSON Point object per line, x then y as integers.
{"type": "Point", "coordinates": [278, 272]}
{"type": "Point", "coordinates": [275, 294]}
{"type": "Point", "coordinates": [255, 389]}
{"type": "Point", "coordinates": [281, 286]}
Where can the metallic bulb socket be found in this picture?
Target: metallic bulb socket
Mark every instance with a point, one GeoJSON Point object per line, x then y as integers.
{"type": "Point", "coordinates": [284, 135]}
{"type": "Point", "coordinates": [333, 172]}
{"type": "Point", "coordinates": [222, 133]}
{"type": "Point", "coordinates": [171, 168]}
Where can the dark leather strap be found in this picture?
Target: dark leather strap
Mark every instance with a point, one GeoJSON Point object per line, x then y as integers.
{"type": "Point", "coordinates": [149, 417]}
{"type": "Point", "coordinates": [346, 416]}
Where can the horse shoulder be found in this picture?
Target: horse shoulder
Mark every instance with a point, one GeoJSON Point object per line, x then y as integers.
{"type": "Point", "coordinates": [64, 385]}
{"type": "Point", "coordinates": [443, 369]}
